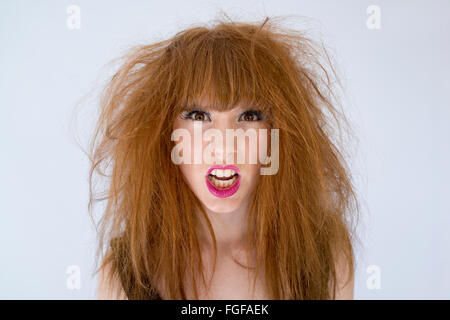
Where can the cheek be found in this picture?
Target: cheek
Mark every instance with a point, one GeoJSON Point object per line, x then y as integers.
{"type": "Point", "coordinates": [189, 176]}
{"type": "Point", "coordinates": [193, 173]}
{"type": "Point", "coordinates": [184, 168]}
{"type": "Point", "coordinates": [254, 152]}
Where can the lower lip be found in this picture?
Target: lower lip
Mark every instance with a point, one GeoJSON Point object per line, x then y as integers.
{"type": "Point", "coordinates": [223, 193]}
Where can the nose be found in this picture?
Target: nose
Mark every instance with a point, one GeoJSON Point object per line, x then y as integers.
{"type": "Point", "coordinates": [222, 155]}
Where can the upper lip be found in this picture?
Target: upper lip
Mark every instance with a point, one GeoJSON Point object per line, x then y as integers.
{"type": "Point", "coordinates": [234, 168]}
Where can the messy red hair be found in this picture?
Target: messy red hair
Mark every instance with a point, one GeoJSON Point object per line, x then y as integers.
{"type": "Point", "coordinates": [302, 217]}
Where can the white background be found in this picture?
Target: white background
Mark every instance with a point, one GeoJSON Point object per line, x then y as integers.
{"type": "Point", "coordinates": [397, 81]}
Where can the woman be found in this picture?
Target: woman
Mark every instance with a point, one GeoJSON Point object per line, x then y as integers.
{"type": "Point", "coordinates": [203, 230]}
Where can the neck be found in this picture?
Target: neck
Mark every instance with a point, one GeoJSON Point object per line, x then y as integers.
{"type": "Point", "coordinates": [230, 229]}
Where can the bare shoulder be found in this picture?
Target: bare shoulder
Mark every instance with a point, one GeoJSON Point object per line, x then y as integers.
{"type": "Point", "coordinates": [344, 279]}
{"type": "Point", "coordinates": [109, 285]}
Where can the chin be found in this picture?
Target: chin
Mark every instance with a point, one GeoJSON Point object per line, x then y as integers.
{"type": "Point", "coordinates": [222, 205]}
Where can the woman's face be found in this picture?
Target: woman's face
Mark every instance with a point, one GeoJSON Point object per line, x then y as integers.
{"type": "Point", "coordinates": [225, 183]}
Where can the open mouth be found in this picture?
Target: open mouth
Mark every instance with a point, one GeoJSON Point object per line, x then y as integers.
{"type": "Point", "coordinates": [223, 182]}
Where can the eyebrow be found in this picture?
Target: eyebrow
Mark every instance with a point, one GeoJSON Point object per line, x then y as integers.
{"type": "Point", "coordinates": [200, 106]}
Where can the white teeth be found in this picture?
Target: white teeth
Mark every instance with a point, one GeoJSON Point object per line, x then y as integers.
{"type": "Point", "coordinates": [222, 183]}
{"type": "Point", "coordinates": [227, 184]}
{"type": "Point", "coordinates": [219, 173]}
{"type": "Point", "coordinates": [223, 173]}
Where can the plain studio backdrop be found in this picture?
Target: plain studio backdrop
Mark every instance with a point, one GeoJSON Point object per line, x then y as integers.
{"type": "Point", "coordinates": [394, 59]}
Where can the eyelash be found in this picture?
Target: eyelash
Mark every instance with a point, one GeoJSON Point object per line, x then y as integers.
{"type": "Point", "coordinates": [187, 115]}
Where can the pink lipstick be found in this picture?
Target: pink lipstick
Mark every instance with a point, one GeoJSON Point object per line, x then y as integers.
{"type": "Point", "coordinates": [223, 184]}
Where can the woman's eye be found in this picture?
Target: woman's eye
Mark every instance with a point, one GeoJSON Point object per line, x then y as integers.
{"type": "Point", "coordinates": [251, 115]}
{"type": "Point", "coordinates": [195, 115]}
{"type": "Point", "coordinates": [199, 115]}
